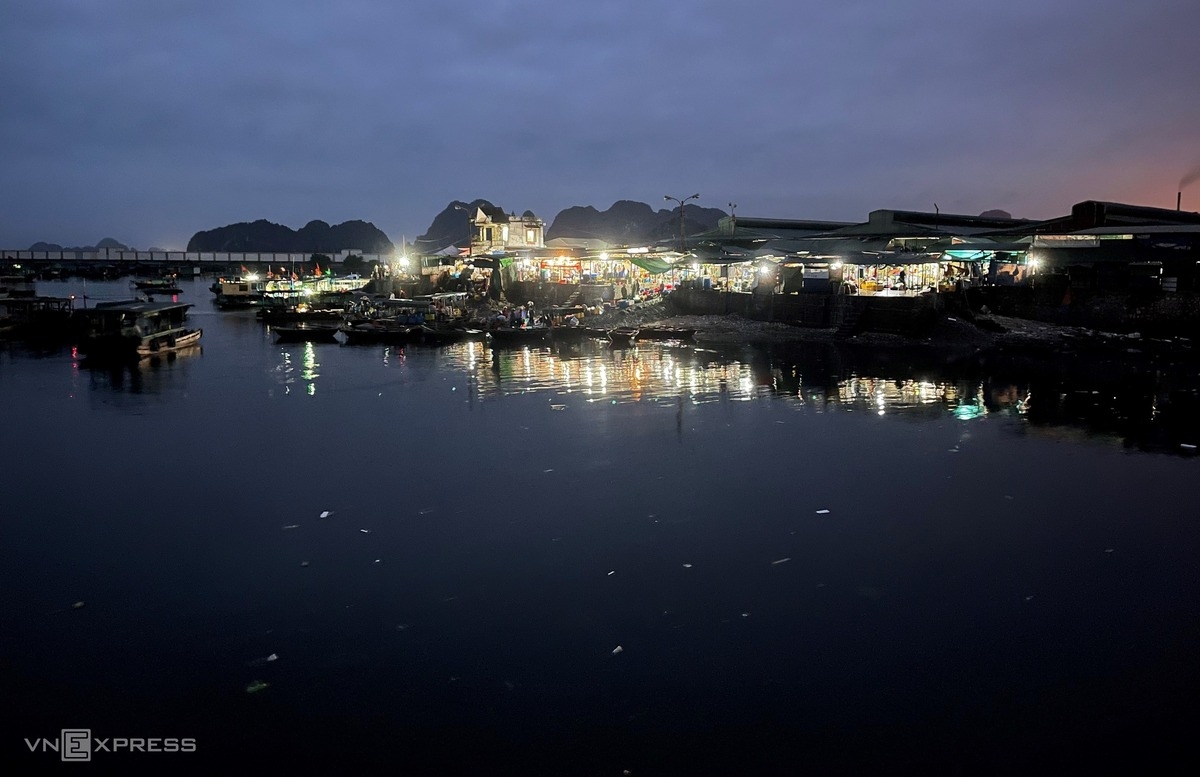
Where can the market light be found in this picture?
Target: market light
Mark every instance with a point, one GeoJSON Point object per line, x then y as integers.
{"type": "Point", "coordinates": [404, 262]}
{"type": "Point", "coordinates": [604, 256]}
{"type": "Point", "coordinates": [835, 266]}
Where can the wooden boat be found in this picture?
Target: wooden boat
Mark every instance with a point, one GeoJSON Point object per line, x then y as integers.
{"type": "Point", "coordinates": [517, 336]}
{"type": "Point", "coordinates": [135, 328]}
{"type": "Point", "coordinates": [157, 346]}
{"type": "Point", "coordinates": [622, 335]}
{"type": "Point", "coordinates": [38, 318]}
{"type": "Point", "coordinates": [441, 334]}
{"type": "Point", "coordinates": [158, 286]}
{"type": "Point", "coordinates": [305, 332]}
{"type": "Point", "coordinates": [576, 334]}
{"type": "Point", "coordinates": [270, 314]}
{"type": "Point", "coordinates": [665, 333]}
{"type": "Point", "coordinates": [380, 330]}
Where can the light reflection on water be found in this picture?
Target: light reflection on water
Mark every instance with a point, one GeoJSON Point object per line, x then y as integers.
{"type": "Point", "coordinates": [656, 372]}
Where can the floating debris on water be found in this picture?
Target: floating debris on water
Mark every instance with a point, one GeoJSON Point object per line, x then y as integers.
{"type": "Point", "coordinates": [1187, 446]}
{"type": "Point", "coordinates": [1029, 598]}
{"type": "Point", "coordinates": [781, 561]}
{"type": "Point", "coordinates": [1109, 550]}
{"type": "Point", "coordinates": [613, 572]}
{"type": "Point", "coordinates": [365, 531]}
{"type": "Point", "coordinates": [303, 563]}
{"type": "Point", "coordinates": [547, 470]}
{"type": "Point", "coordinates": [558, 407]}
{"type": "Point", "coordinates": [291, 526]}
{"type": "Point", "coordinates": [273, 657]}
{"type": "Point", "coordinates": [687, 566]}
{"type": "Point", "coordinates": [745, 615]}
{"type": "Point", "coordinates": [257, 686]}
{"type": "Point", "coordinates": [77, 606]}
{"type": "Point", "coordinates": [822, 512]}
{"type": "Point", "coordinates": [426, 511]}
{"type": "Point", "coordinates": [618, 649]}
{"type": "Point", "coordinates": [326, 513]}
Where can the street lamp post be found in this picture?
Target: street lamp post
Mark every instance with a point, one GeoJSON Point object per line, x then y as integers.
{"type": "Point", "coordinates": [733, 218]}
{"type": "Point", "coordinates": [682, 243]}
{"type": "Point", "coordinates": [470, 225]}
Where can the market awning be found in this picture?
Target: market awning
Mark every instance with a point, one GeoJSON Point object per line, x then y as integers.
{"type": "Point", "coordinates": [652, 264]}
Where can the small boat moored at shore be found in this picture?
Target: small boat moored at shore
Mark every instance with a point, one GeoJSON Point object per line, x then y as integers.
{"type": "Point", "coordinates": [305, 332]}
{"type": "Point", "coordinates": [516, 336]}
{"type": "Point", "coordinates": [622, 335]}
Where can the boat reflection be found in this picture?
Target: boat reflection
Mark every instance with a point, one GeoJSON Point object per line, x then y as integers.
{"type": "Point", "coordinates": [146, 375]}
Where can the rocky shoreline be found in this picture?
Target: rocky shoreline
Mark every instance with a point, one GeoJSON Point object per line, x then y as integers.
{"type": "Point", "coordinates": [953, 335]}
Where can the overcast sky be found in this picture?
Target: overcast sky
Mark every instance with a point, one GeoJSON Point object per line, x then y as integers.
{"type": "Point", "coordinates": [149, 120]}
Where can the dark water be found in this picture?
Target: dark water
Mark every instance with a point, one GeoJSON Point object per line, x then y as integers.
{"type": "Point", "coordinates": [813, 560]}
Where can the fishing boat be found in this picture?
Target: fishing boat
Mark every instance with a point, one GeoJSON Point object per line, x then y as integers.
{"type": "Point", "coordinates": [305, 332]}
{"type": "Point", "coordinates": [517, 336]}
{"type": "Point", "coordinates": [239, 293]}
{"type": "Point", "coordinates": [380, 330]}
{"type": "Point", "coordinates": [166, 285]}
{"type": "Point", "coordinates": [443, 333]}
{"type": "Point", "coordinates": [135, 328]}
{"type": "Point", "coordinates": [296, 314]}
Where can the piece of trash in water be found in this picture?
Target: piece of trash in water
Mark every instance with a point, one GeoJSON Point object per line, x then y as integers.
{"type": "Point", "coordinates": [303, 563]}
{"type": "Point", "coordinates": [547, 470]}
{"type": "Point", "coordinates": [618, 649]}
{"type": "Point", "coordinates": [613, 572]}
{"type": "Point", "coordinates": [77, 606]}
{"type": "Point", "coordinates": [257, 686]}
{"type": "Point", "coordinates": [781, 561]}
{"type": "Point", "coordinates": [1028, 598]}
{"type": "Point", "coordinates": [291, 526]}
{"type": "Point", "coordinates": [426, 511]}
{"type": "Point", "coordinates": [687, 566]}
{"type": "Point", "coordinates": [1108, 550]}
{"type": "Point", "coordinates": [953, 450]}
{"type": "Point", "coordinates": [558, 407]}
{"type": "Point", "coordinates": [745, 615]}
{"type": "Point", "coordinates": [822, 512]}
{"type": "Point", "coordinates": [273, 657]}
{"type": "Point", "coordinates": [326, 513]}
{"type": "Point", "coordinates": [365, 531]}
{"type": "Point", "coordinates": [401, 626]}
{"type": "Point", "coordinates": [378, 560]}
{"type": "Point", "coordinates": [1187, 446]}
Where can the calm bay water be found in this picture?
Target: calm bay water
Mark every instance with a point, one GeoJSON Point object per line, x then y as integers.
{"type": "Point", "coordinates": [810, 559]}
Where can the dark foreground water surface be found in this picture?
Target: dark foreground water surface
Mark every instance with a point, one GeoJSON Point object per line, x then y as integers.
{"type": "Point", "coordinates": [674, 559]}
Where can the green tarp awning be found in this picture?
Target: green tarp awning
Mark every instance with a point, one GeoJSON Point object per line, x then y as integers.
{"type": "Point", "coordinates": [651, 264]}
